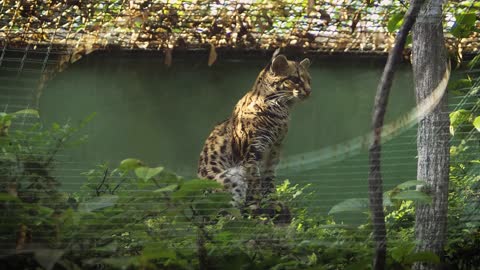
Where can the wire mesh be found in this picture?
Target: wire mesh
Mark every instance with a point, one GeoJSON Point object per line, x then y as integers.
{"type": "Point", "coordinates": [37, 38]}
{"type": "Point", "coordinates": [329, 26]}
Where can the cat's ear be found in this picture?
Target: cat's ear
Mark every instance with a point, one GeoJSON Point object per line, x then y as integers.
{"type": "Point", "coordinates": [275, 53]}
{"type": "Point", "coordinates": [305, 63]}
{"type": "Point", "coordinates": [279, 64]}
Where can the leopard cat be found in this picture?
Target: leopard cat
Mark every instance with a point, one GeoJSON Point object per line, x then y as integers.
{"type": "Point", "coordinates": [242, 152]}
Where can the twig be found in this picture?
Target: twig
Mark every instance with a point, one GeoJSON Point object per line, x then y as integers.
{"type": "Point", "coordinates": [59, 144]}
{"type": "Point", "coordinates": [156, 182]}
{"type": "Point", "coordinates": [118, 185]}
{"type": "Point", "coordinates": [97, 189]}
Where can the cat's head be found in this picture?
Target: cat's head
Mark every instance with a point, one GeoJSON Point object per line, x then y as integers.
{"type": "Point", "coordinates": [289, 80]}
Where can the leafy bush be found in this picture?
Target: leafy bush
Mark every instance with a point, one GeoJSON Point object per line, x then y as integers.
{"type": "Point", "coordinates": [136, 216]}
{"type": "Point", "coordinates": [464, 191]}
{"type": "Point", "coordinates": [30, 201]}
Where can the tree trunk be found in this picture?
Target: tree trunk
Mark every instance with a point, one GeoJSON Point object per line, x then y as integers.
{"type": "Point", "coordinates": [429, 58]}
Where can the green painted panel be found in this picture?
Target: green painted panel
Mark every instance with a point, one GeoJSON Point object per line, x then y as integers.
{"type": "Point", "coordinates": [162, 115]}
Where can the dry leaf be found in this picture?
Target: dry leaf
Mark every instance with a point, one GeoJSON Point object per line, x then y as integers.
{"type": "Point", "coordinates": [356, 18]}
{"type": "Point", "coordinates": [80, 52]}
{"type": "Point", "coordinates": [142, 45]}
{"type": "Point", "coordinates": [76, 55]}
{"type": "Point", "coordinates": [212, 57]}
{"type": "Point", "coordinates": [22, 237]}
{"type": "Point", "coordinates": [168, 57]}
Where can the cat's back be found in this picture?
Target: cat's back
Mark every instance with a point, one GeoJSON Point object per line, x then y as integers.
{"type": "Point", "coordinates": [216, 152]}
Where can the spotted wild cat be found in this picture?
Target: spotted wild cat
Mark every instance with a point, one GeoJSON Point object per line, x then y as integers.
{"type": "Point", "coordinates": [242, 152]}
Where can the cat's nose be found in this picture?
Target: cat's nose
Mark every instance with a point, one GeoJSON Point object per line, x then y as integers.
{"type": "Point", "coordinates": [308, 92]}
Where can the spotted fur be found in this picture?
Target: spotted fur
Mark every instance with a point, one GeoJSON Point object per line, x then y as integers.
{"type": "Point", "coordinates": [242, 152]}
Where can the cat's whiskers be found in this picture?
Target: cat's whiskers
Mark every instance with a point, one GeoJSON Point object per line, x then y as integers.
{"type": "Point", "coordinates": [277, 95]}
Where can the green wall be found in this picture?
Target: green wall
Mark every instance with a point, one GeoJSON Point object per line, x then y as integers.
{"type": "Point", "coordinates": [162, 115]}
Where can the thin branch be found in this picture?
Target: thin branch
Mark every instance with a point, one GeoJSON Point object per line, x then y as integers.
{"type": "Point", "coordinates": [97, 189]}
{"type": "Point", "coordinates": [54, 152]}
{"type": "Point", "coordinates": [118, 185]}
{"type": "Point", "coordinates": [380, 106]}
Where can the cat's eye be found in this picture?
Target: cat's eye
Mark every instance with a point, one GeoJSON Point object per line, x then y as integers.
{"type": "Point", "coordinates": [295, 80]}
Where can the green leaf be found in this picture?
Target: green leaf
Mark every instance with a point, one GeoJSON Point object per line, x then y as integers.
{"type": "Point", "coordinates": [460, 86]}
{"type": "Point", "coordinates": [476, 123]}
{"type": "Point", "coordinates": [362, 263]}
{"type": "Point", "coordinates": [120, 262]}
{"type": "Point", "coordinates": [55, 127]}
{"type": "Point", "coordinates": [87, 120]}
{"type": "Point", "coordinates": [201, 184]}
{"type": "Point", "coordinates": [130, 164]}
{"type": "Point", "coordinates": [412, 195]}
{"type": "Point", "coordinates": [158, 251]}
{"type": "Point", "coordinates": [47, 258]}
{"type": "Point", "coordinates": [464, 25]}
{"type": "Point", "coordinates": [225, 236]}
{"type": "Point", "coordinates": [187, 212]}
{"type": "Point", "coordinates": [167, 177]}
{"type": "Point", "coordinates": [386, 199]}
{"type": "Point", "coordinates": [235, 212]}
{"type": "Point", "coordinates": [423, 256]}
{"type": "Point", "coordinates": [350, 205]}
{"type": "Point", "coordinates": [240, 226]}
{"type": "Point", "coordinates": [147, 173]}
{"type": "Point", "coordinates": [409, 184]}
{"type": "Point", "coordinates": [29, 112]}
{"type": "Point", "coordinates": [8, 157]}
{"type": "Point", "coordinates": [467, 19]}
{"type": "Point", "coordinates": [190, 189]}
{"type": "Point", "coordinates": [469, 3]}
{"type": "Point", "coordinates": [110, 247]}
{"type": "Point", "coordinates": [221, 199]}
{"type": "Point", "coordinates": [474, 62]}
{"type": "Point", "coordinates": [5, 197]}
{"type": "Point", "coordinates": [206, 207]}
{"type": "Point", "coordinates": [401, 250]}
{"type": "Point", "coordinates": [312, 259]}
{"type": "Point", "coordinates": [459, 117]}
{"type": "Point", "coordinates": [395, 21]}
{"type": "Point", "coordinates": [169, 188]}
{"type": "Point", "coordinates": [45, 211]}
{"type": "Point", "coordinates": [98, 203]}
{"type": "Point", "coordinates": [409, 39]}
{"type": "Point", "coordinates": [5, 120]}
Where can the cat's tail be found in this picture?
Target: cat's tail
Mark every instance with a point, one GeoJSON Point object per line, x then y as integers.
{"type": "Point", "coordinates": [234, 180]}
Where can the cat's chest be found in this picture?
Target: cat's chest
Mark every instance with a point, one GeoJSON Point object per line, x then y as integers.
{"type": "Point", "coordinates": [256, 119]}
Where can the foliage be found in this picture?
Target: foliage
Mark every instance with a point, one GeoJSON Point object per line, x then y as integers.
{"type": "Point", "coordinates": [464, 196]}
{"type": "Point", "coordinates": [398, 205]}
{"type": "Point", "coordinates": [147, 217]}
{"type": "Point", "coordinates": [137, 216]}
{"type": "Point", "coordinates": [28, 190]}
{"type": "Point", "coordinates": [260, 24]}
{"type": "Point", "coordinates": [172, 223]}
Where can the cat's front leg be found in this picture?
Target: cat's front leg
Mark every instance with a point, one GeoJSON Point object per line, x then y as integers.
{"type": "Point", "coordinates": [268, 176]}
{"type": "Point", "coordinates": [253, 166]}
